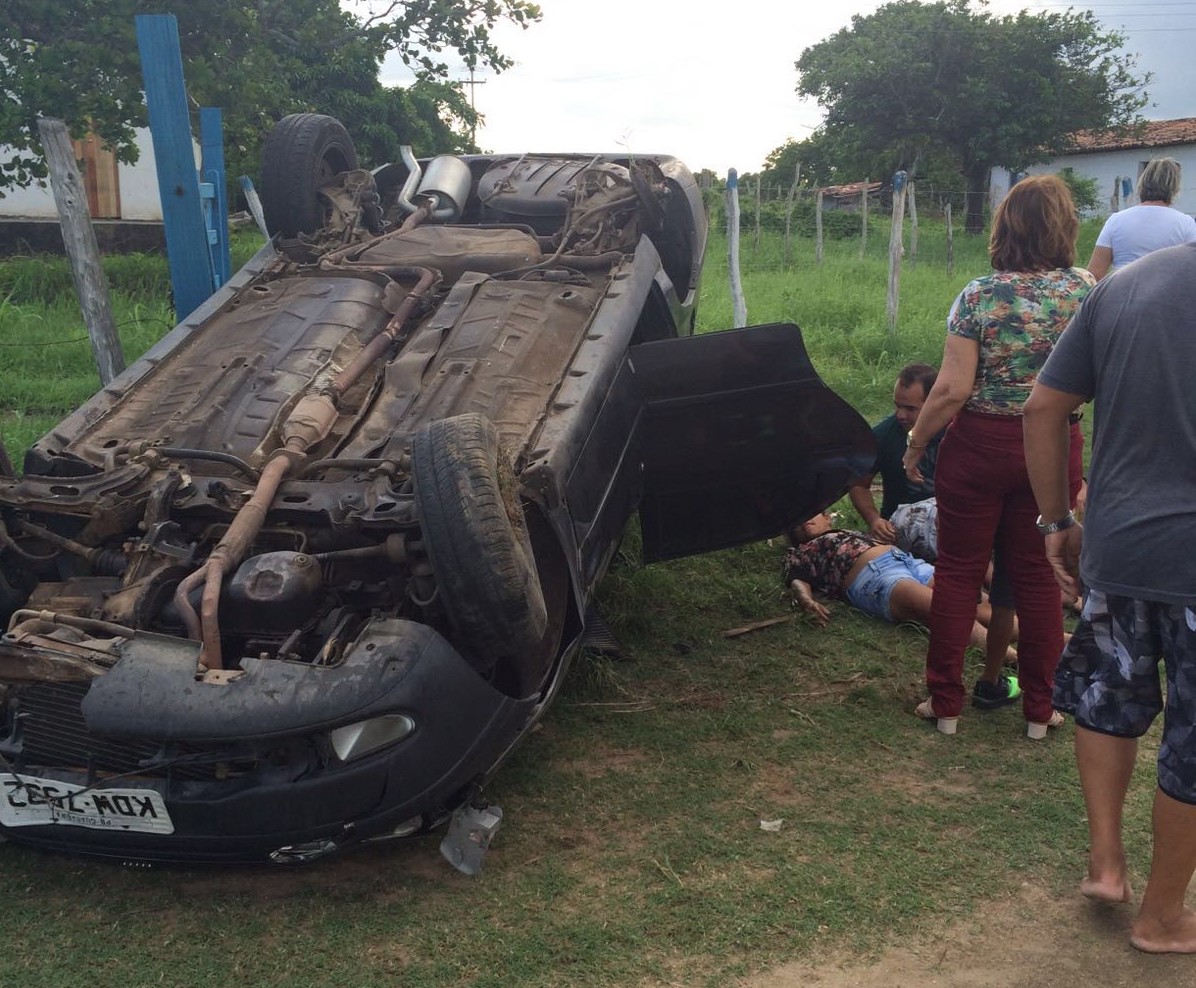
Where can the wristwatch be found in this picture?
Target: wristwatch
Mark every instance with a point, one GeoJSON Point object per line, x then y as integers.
{"type": "Point", "coordinates": [909, 441]}
{"type": "Point", "coordinates": [1049, 528]}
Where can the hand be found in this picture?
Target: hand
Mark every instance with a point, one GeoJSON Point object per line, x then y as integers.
{"type": "Point", "coordinates": [910, 461]}
{"type": "Point", "coordinates": [803, 598]}
{"type": "Point", "coordinates": [1063, 553]}
{"type": "Point", "coordinates": [883, 531]}
{"type": "Point", "coordinates": [819, 613]}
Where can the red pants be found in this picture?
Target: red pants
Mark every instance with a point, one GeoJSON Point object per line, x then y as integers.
{"type": "Point", "coordinates": [985, 500]}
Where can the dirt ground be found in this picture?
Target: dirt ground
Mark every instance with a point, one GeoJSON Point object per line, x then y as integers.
{"type": "Point", "coordinates": [1032, 939]}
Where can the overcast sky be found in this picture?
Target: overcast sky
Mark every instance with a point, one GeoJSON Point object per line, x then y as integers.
{"type": "Point", "coordinates": [715, 85]}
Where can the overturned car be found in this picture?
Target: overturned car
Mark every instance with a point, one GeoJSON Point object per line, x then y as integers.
{"type": "Point", "coordinates": [307, 571]}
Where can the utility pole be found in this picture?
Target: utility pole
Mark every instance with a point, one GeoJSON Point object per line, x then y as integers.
{"type": "Point", "coordinates": [472, 84]}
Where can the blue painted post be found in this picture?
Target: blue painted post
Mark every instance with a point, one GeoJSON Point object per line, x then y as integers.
{"type": "Point", "coordinates": [178, 184]}
{"type": "Point", "coordinates": [211, 137]}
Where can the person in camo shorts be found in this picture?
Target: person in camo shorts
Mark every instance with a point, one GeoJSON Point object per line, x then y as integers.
{"type": "Point", "coordinates": [1130, 348]}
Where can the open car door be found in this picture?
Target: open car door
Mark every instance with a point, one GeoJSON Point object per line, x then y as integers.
{"type": "Point", "coordinates": [740, 439]}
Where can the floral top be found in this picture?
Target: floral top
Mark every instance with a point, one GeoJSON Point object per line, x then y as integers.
{"type": "Point", "coordinates": [1016, 317]}
{"type": "Point", "coordinates": [824, 561]}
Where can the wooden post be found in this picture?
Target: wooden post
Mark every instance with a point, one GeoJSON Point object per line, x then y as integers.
{"type": "Point", "coordinates": [1115, 198]}
{"type": "Point", "coordinates": [950, 239]}
{"type": "Point", "coordinates": [738, 304]}
{"type": "Point", "coordinates": [79, 238]}
{"type": "Point", "coordinates": [756, 236]}
{"type": "Point", "coordinates": [191, 273]}
{"type": "Point", "coordinates": [864, 218]}
{"type": "Point", "coordinates": [895, 250]}
{"type": "Point", "coordinates": [789, 209]}
{"type": "Point", "coordinates": [818, 228]}
{"type": "Point", "coordinates": [913, 224]}
{"type": "Point", "coordinates": [213, 192]}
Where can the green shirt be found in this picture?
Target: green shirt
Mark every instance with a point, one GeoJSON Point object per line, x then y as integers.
{"type": "Point", "coordinates": [890, 451]}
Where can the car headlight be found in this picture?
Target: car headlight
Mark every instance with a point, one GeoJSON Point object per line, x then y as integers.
{"type": "Point", "coordinates": [354, 740]}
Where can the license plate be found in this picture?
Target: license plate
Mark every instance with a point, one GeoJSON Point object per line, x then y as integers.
{"type": "Point", "coordinates": [26, 801]}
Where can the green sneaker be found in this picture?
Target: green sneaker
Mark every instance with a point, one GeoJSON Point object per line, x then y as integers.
{"type": "Point", "coordinates": [989, 696]}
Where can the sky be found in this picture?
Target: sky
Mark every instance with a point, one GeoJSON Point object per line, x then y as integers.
{"type": "Point", "coordinates": [714, 85]}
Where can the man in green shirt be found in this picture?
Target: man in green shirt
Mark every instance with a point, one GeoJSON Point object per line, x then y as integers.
{"type": "Point", "coordinates": [909, 393]}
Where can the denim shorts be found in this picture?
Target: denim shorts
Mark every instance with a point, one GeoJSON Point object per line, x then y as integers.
{"type": "Point", "coordinates": [1108, 678]}
{"type": "Point", "coordinates": [871, 590]}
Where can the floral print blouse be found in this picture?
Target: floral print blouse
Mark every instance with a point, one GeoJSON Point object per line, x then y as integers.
{"type": "Point", "coordinates": [824, 561]}
{"type": "Point", "coordinates": [1016, 317]}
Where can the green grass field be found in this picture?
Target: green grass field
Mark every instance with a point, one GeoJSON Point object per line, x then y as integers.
{"type": "Point", "coordinates": [631, 851]}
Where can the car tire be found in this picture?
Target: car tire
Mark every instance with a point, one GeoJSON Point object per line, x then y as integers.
{"type": "Point", "coordinates": [476, 539]}
{"type": "Point", "coordinates": [303, 153]}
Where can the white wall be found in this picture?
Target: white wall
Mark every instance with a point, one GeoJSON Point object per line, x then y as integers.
{"type": "Point", "coordinates": [139, 198]}
{"type": "Point", "coordinates": [1106, 166]}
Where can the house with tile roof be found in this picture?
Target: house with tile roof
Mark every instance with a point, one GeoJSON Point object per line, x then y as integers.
{"type": "Point", "coordinates": [1115, 158]}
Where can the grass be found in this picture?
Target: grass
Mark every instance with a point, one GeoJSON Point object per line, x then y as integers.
{"type": "Point", "coordinates": [632, 851]}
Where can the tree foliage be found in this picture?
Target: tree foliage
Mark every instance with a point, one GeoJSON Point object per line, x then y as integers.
{"type": "Point", "coordinates": [914, 80]}
{"type": "Point", "coordinates": [1085, 191]}
{"type": "Point", "coordinates": [256, 59]}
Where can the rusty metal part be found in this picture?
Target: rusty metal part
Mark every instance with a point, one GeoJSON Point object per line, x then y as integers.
{"type": "Point", "coordinates": [378, 346]}
{"type": "Point", "coordinates": [90, 553]}
{"type": "Point", "coordinates": [37, 659]}
{"type": "Point", "coordinates": [394, 550]}
{"type": "Point", "coordinates": [309, 422]}
{"type": "Point", "coordinates": [71, 621]}
{"type": "Point", "coordinates": [387, 467]}
{"type": "Point", "coordinates": [156, 453]}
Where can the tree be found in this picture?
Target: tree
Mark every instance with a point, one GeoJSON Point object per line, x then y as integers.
{"type": "Point", "coordinates": [1085, 191]}
{"type": "Point", "coordinates": [257, 59]}
{"type": "Point", "coordinates": [915, 79]}
{"type": "Point", "coordinates": [820, 163]}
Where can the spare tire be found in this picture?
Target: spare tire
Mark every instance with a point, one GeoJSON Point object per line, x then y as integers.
{"type": "Point", "coordinates": [477, 542]}
{"type": "Point", "coordinates": [302, 154]}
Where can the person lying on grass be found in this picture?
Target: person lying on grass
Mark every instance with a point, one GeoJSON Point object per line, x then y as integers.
{"type": "Point", "coordinates": [878, 579]}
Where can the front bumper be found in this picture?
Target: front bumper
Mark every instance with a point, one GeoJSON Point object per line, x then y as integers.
{"type": "Point", "coordinates": [292, 799]}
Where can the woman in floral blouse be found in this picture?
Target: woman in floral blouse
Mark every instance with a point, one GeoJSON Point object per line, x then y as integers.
{"type": "Point", "coordinates": [1000, 332]}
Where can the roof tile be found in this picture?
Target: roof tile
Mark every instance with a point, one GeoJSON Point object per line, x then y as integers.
{"type": "Point", "coordinates": [1151, 134]}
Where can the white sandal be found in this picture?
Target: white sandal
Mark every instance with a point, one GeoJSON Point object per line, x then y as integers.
{"type": "Point", "coordinates": [945, 725]}
{"type": "Point", "coordinates": [1036, 732]}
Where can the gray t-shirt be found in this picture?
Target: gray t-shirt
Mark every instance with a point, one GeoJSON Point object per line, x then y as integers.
{"type": "Point", "coordinates": [1132, 349]}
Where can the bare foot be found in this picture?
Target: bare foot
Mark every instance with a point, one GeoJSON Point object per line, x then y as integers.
{"type": "Point", "coordinates": [1177, 936]}
{"type": "Point", "coordinates": [1113, 890]}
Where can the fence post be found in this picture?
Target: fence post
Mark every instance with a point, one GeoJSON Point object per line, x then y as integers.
{"type": "Point", "coordinates": [913, 223]}
{"type": "Point", "coordinates": [79, 238]}
{"type": "Point", "coordinates": [895, 248]}
{"type": "Point", "coordinates": [864, 218]}
{"type": "Point", "coordinates": [818, 227]}
{"type": "Point", "coordinates": [212, 191]}
{"type": "Point", "coordinates": [756, 236]}
{"type": "Point", "coordinates": [178, 182]}
{"type": "Point", "coordinates": [737, 301]}
{"type": "Point", "coordinates": [789, 210]}
{"type": "Point", "coordinates": [950, 239]}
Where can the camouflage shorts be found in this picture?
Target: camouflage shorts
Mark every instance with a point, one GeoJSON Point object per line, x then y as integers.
{"type": "Point", "coordinates": [1108, 678]}
{"type": "Point", "coordinates": [917, 525]}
